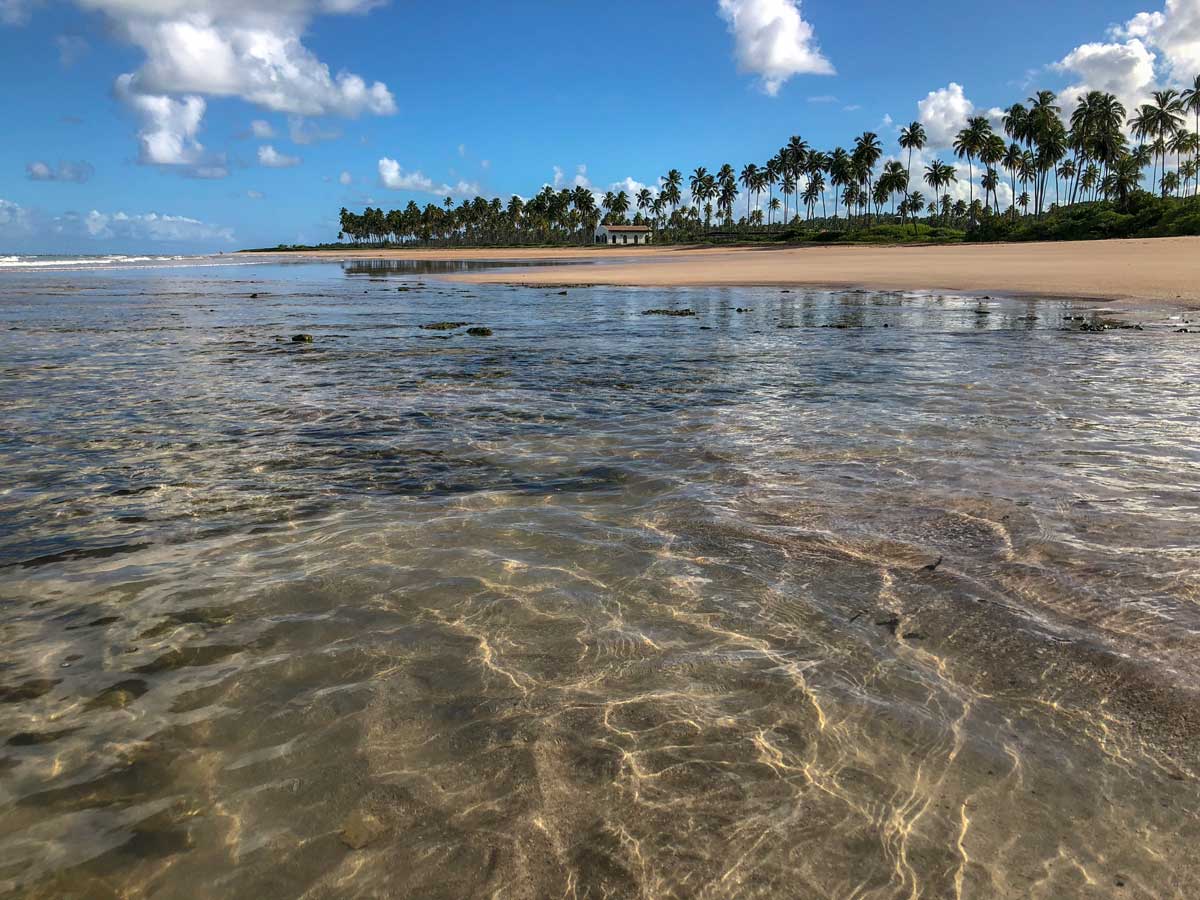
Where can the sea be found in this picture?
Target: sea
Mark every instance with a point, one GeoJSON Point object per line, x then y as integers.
{"type": "Point", "coordinates": [350, 579]}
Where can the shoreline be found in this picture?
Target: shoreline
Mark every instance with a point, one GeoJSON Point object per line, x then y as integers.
{"type": "Point", "coordinates": [1163, 271]}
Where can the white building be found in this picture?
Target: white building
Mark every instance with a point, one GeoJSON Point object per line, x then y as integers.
{"type": "Point", "coordinates": [623, 234]}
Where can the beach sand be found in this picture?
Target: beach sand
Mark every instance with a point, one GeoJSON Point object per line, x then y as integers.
{"type": "Point", "coordinates": [1165, 270]}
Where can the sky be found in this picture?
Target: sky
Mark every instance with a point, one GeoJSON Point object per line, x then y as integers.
{"type": "Point", "coordinates": [179, 126]}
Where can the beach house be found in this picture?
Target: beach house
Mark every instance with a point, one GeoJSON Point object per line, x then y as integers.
{"type": "Point", "coordinates": [623, 234]}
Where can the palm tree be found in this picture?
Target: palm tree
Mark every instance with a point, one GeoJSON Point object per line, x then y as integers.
{"type": "Point", "coordinates": [992, 155]}
{"type": "Point", "coordinates": [867, 151]}
{"type": "Point", "coordinates": [912, 138]}
{"type": "Point", "coordinates": [839, 174]}
{"type": "Point", "coordinates": [916, 203]}
{"type": "Point", "coordinates": [787, 188]}
{"type": "Point", "coordinates": [772, 168]}
{"type": "Point", "coordinates": [620, 205]}
{"type": "Point", "coordinates": [1012, 162]}
{"type": "Point", "coordinates": [696, 184]}
{"type": "Point", "coordinates": [1123, 180]}
{"type": "Point", "coordinates": [893, 180]}
{"type": "Point", "coordinates": [749, 181]}
{"type": "Point", "coordinates": [968, 143]}
{"type": "Point", "coordinates": [934, 178]}
{"type": "Point", "coordinates": [645, 200]}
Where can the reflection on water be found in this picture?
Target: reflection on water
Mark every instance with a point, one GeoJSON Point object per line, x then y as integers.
{"type": "Point", "coordinates": [445, 266]}
{"type": "Point", "coordinates": [602, 605]}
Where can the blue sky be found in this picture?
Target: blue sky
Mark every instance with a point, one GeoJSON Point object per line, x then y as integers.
{"type": "Point", "coordinates": [130, 124]}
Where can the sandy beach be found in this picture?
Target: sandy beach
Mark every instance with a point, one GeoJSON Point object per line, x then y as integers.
{"type": "Point", "coordinates": [1146, 270]}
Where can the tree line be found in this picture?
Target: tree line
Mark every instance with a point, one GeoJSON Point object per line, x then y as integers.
{"type": "Point", "coordinates": [1047, 161]}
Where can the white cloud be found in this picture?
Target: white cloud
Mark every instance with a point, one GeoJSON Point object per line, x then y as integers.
{"type": "Point", "coordinates": [15, 221]}
{"type": "Point", "coordinates": [273, 159]}
{"type": "Point", "coordinates": [944, 113]}
{"type": "Point", "coordinates": [345, 179]}
{"type": "Point", "coordinates": [255, 195]}
{"type": "Point", "coordinates": [152, 227]}
{"type": "Point", "coordinates": [77, 172]}
{"type": "Point", "coordinates": [824, 98]}
{"type": "Point", "coordinates": [262, 129]}
{"type": "Point", "coordinates": [485, 164]}
{"type": "Point", "coordinates": [20, 223]}
{"type": "Point", "coordinates": [1175, 32]}
{"type": "Point", "coordinates": [301, 131]}
{"type": "Point", "coordinates": [169, 126]}
{"type": "Point", "coordinates": [250, 49]}
{"type": "Point", "coordinates": [240, 49]}
{"type": "Point", "coordinates": [1124, 70]}
{"type": "Point", "coordinates": [772, 40]}
{"type": "Point", "coordinates": [393, 177]}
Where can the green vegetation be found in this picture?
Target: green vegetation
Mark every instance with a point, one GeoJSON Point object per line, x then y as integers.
{"type": "Point", "coordinates": [1142, 215]}
{"type": "Point", "coordinates": [1072, 178]}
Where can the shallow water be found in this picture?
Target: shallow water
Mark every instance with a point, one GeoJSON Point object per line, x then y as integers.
{"type": "Point", "coordinates": [602, 605]}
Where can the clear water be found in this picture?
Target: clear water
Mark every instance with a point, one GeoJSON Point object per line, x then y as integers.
{"type": "Point", "coordinates": [602, 605]}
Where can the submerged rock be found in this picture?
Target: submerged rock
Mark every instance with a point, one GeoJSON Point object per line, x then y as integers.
{"type": "Point", "coordinates": [359, 829]}
{"type": "Point", "coordinates": [479, 332]}
{"type": "Point", "coordinates": [443, 326]}
{"type": "Point", "coordinates": [669, 312]}
{"type": "Point", "coordinates": [302, 338]}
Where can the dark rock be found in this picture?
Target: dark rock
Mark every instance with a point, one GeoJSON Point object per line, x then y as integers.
{"type": "Point", "coordinates": [302, 338]}
{"type": "Point", "coordinates": [443, 326]}
{"type": "Point", "coordinates": [668, 312]}
{"type": "Point", "coordinates": [914, 636]}
{"type": "Point", "coordinates": [932, 567]}
{"type": "Point", "coordinates": [891, 624]}
{"type": "Point", "coordinates": [359, 829]}
{"type": "Point", "coordinates": [254, 296]}
{"type": "Point", "coordinates": [562, 293]}
{"type": "Point", "coordinates": [479, 332]}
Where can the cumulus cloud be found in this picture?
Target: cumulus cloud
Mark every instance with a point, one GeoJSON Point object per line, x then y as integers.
{"type": "Point", "coordinates": [262, 129]}
{"type": "Point", "coordinates": [77, 172]}
{"type": "Point", "coordinates": [393, 177]}
{"type": "Point", "coordinates": [271, 158]}
{"type": "Point", "coordinates": [1148, 51]}
{"type": "Point", "coordinates": [241, 49]}
{"type": "Point", "coordinates": [944, 113]}
{"type": "Point", "coordinates": [250, 49]}
{"type": "Point", "coordinates": [1125, 70]}
{"type": "Point", "coordinates": [772, 40]}
{"type": "Point", "coordinates": [168, 136]}
{"type": "Point", "coordinates": [15, 220]}
{"type": "Point", "coordinates": [23, 224]}
{"type": "Point", "coordinates": [345, 179]}
{"type": "Point", "coordinates": [1175, 32]}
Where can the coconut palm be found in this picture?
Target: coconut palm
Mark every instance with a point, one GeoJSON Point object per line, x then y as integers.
{"type": "Point", "coordinates": [839, 174]}
{"type": "Point", "coordinates": [1012, 163]}
{"type": "Point", "coordinates": [968, 143]}
{"type": "Point", "coordinates": [991, 153]}
{"type": "Point", "coordinates": [749, 181]}
{"type": "Point", "coordinates": [912, 137]}
{"type": "Point", "coordinates": [867, 151]}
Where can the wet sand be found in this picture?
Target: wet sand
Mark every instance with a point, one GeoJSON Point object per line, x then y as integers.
{"type": "Point", "coordinates": [1164, 270]}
